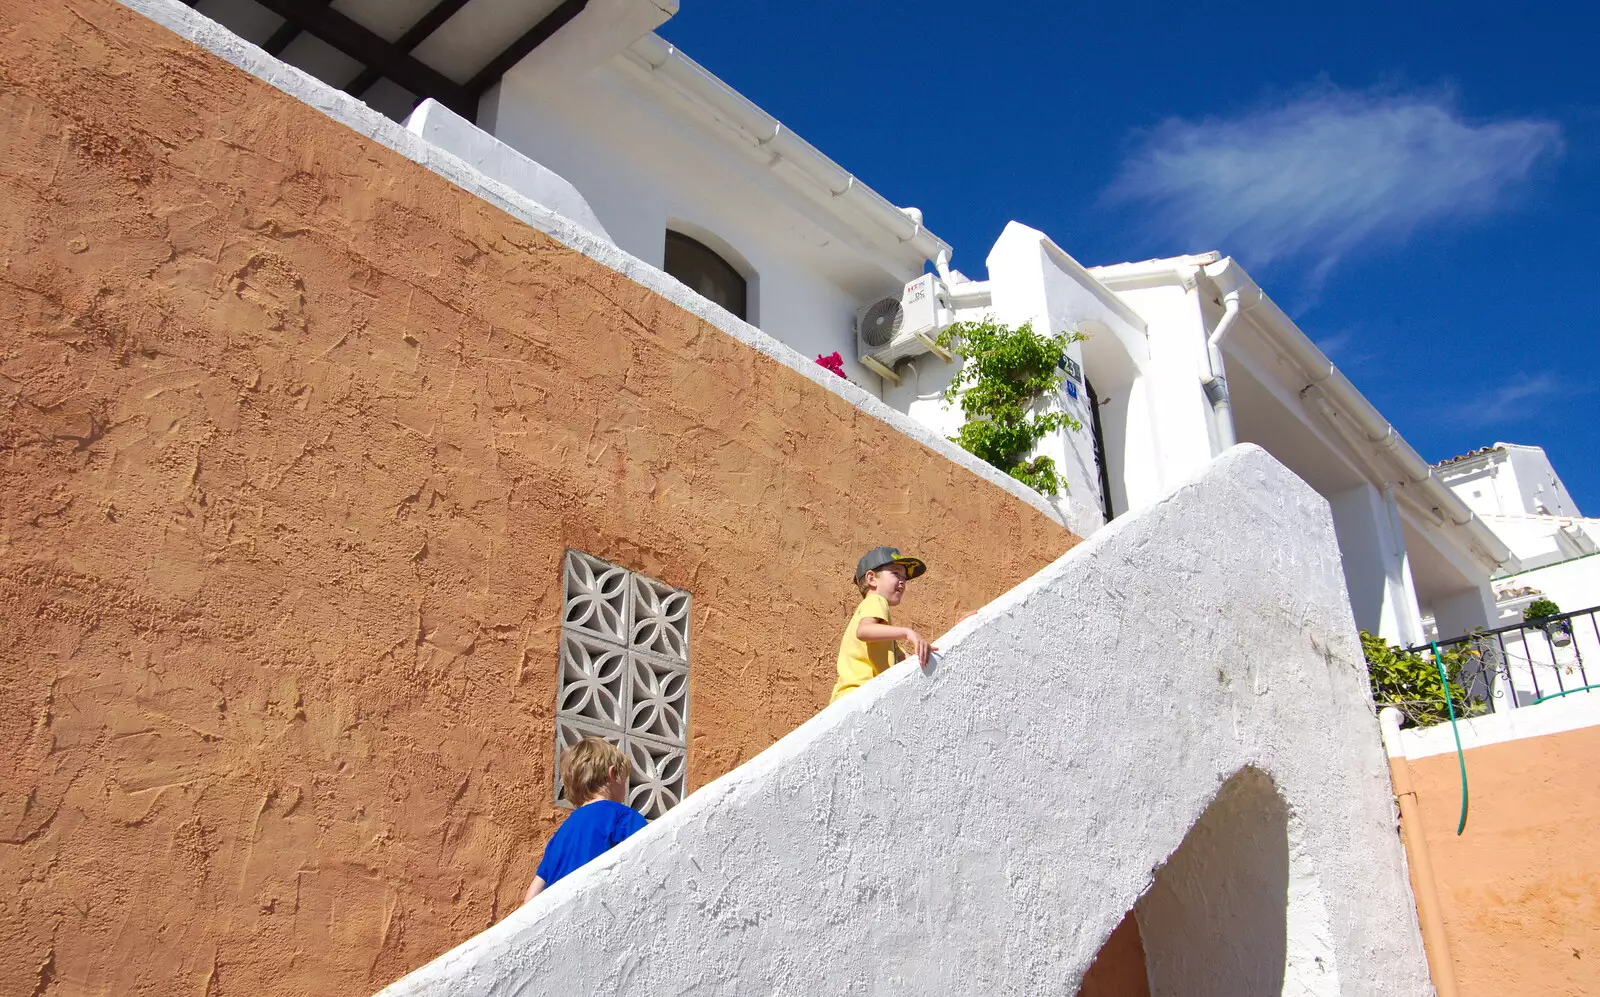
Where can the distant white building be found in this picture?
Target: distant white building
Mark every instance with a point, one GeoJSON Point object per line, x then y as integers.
{"type": "Point", "coordinates": [579, 105]}
{"type": "Point", "coordinates": [1517, 492]}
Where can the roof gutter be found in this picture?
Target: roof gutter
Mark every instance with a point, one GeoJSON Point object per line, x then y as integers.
{"type": "Point", "coordinates": [1354, 419]}
{"type": "Point", "coordinates": [847, 195]}
{"type": "Point", "coordinates": [1153, 273]}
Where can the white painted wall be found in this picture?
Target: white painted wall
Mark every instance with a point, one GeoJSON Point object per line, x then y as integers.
{"type": "Point", "coordinates": [983, 827]}
{"type": "Point", "coordinates": [1540, 488]}
{"type": "Point", "coordinates": [1462, 612]}
{"type": "Point", "coordinates": [1239, 908]}
{"type": "Point", "coordinates": [1032, 280]}
{"type": "Point", "coordinates": [1177, 317]}
{"type": "Point", "coordinates": [1485, 483]}
{"type": "Point", "coordinates": [1553, 716]}
{"type": "Point", "coordinates": [1511, 479]}
{"type": "Point", "coordinates": [1573, 585]}
{"type": "Point", "coordinates": [1376, 569]}
{"type": "Point", "coordinates": [1541, 540]}
{"type": "Point", "coordinates": [448, 130]}
{"type": "Point", "coordinates": [645, 161]}
{"type": "Point", "coordinates": [1180, 306]}
{"type": "Point", "coordinates": [1517, 493]}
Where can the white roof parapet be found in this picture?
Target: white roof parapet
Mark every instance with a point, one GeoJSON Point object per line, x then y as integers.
{"type": "Point", "coordinates": [1423, 489]}
{"type": "Point", "coordinates": [1105, 295]}
{"type": "Point", "coordinates": [854, 201]}
{"type": "Point", "coordinates": [1127, 276]}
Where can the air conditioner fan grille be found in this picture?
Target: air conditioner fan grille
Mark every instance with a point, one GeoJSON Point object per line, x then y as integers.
{"type": "Point", "coordinates": [881, 323]}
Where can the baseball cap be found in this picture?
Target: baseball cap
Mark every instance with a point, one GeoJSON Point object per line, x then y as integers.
{"type": "Point", "coordinates": [881, 557]}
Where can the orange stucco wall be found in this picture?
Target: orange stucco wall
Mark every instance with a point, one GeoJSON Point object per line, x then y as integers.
{"type": "Point", "coordinates": [293, 436]}
{"type": "Point", "coordinates": [1118, 969]}
{"type": "Point", "coordinates": [1520, 889]}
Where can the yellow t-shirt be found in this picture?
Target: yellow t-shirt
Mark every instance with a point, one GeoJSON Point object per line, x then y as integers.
{"type": "Point", "coordinates": [859, 660]}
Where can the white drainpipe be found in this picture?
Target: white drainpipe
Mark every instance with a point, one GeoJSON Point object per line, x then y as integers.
{"type": "Point", "coordinates": [1232, 281]}
{"type": "Point", "coordinates": [1216, 382]}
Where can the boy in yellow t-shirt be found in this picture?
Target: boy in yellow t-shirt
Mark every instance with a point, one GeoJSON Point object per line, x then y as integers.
{"type": "Point", "coordinates": [868, 646]}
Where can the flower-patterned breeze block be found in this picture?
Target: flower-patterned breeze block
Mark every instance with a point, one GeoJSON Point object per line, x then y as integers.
{"type": "Point", "coordinates": [624, 675]}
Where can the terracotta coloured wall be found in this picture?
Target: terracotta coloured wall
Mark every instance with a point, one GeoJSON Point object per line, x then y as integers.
{"type": "Point", "coordinates": [1118, 969]}
{"type": "Point", "coordinates": [294, 436]}
{"type": "Point", "coordinates": [1521, 887]}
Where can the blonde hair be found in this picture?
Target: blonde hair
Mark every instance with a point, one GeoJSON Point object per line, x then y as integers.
{"type": "Point", "coordinates": [586, 768]}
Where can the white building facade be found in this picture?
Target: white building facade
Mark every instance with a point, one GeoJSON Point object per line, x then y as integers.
{"type": "Point", "coordinates": [580, 106]}
{"type": "Point", "coordinates": [1517, 492]}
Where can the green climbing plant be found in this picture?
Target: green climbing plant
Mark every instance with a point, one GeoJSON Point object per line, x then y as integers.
{"type": "Point", "coordinates": [1410, 681]}
{"type": "Point", "coordinates": [1004, 372]}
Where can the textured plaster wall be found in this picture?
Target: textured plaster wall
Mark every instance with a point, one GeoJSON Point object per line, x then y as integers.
{"type": "Point", "coordinates": [985, 827]}
{"type": "Point", "coordinates": [362, 119]}
{"type": "Point", "coordinates": [294, 431]}
{"type": "Point", "coordinates": [1239, 908]}
{"type": "Point", "coordinates": [1216, 917]}
{"type": "Point", "coordinates": [1520, 888]}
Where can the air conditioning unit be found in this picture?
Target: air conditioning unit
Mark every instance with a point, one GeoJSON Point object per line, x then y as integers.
{"type": "Point", "coordinates": [891, 329]}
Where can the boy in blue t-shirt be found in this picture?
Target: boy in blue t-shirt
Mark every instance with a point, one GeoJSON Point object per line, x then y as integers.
{"type": "Point", "coordinates": [594, 774]}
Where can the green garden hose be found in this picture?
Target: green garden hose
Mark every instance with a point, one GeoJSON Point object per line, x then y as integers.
{"type": "Point", "coordinates": [1461, 756]}
{"type": "Point", "coordinates": [1564, 692]}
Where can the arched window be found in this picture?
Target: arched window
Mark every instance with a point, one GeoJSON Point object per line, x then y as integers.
{"type": "Point", "coordinates": [705, 273]}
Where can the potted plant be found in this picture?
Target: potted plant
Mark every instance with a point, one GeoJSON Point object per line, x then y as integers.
{"type": "Point", "coordinates": [1539, 613]}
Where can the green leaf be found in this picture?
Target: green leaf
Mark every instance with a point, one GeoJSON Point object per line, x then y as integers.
{"type": "Point", "coordinates": [1410, 681]}
{"type": "Point", "coordinates": [1004, 371]}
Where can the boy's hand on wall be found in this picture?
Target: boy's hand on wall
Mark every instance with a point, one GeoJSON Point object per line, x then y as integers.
{"type": "Point", "coordinates": [920, 646]}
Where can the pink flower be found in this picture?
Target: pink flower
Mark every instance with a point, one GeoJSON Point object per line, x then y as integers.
{"type": "Point", "coordinates": [833, 362]}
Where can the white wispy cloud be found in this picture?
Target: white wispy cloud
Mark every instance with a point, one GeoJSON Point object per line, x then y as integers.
{"type": "Point", "coordinates": [1520, 396]}
{"type": "Point", "coordinates": [1325, 173]}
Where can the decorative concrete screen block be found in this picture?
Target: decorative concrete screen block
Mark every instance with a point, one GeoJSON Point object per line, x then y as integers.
{"type": "Point", "coordinates": [625, 674]}
{"type": "Point", "coordinates": [1173, 719]}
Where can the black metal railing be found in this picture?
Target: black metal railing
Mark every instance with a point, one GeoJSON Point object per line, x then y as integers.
{"type": "Point", "coordinates": [1527, 662]}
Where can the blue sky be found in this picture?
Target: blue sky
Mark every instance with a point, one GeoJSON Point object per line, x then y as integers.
{"type": "Point", "coordinates": [1417, 184]}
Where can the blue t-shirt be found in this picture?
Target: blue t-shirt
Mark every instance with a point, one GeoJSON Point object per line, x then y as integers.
{"type": "Point", "coordinates": [590, 831]}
